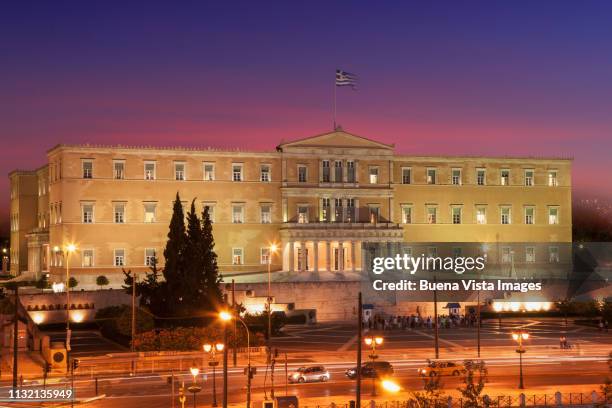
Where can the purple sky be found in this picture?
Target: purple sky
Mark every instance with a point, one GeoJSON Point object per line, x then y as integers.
{"type": "Point", "coordinates": [524, 78]}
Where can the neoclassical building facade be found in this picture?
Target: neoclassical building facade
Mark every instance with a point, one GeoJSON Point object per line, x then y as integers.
{"type": "Point", "coordinates": [317, 199]}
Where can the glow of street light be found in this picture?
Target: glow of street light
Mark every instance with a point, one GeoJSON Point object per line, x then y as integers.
{"type": "Point", "coordinates": [378, 340]}
{"type": "Point", "coordinates": [56, 249]}
{"type": "Point", "coordinates": [70, 247]}
{"type": "Point", "coordinates": [273, 248]}
{"type": "Point", "coordinates": [219, 346]}
{"type": "Point", "coordinates": [390, 386]}
{"type": "Point", "coordinates": [207, 348]}
{"type": "Point", "coordinates": [225, 316]}
{"type": "Point", "coordinates": [368, 341]}
{"type": "Point", "coordinates": [194, 371]}
{"type": "Point", "coordinates": [515, 336]}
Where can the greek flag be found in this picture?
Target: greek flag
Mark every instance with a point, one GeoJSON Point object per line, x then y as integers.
{"type": "Point", "coordinates": [344, 78]}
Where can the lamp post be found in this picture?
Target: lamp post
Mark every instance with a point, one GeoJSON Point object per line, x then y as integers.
{"type": "Point", "coordinates": [373, 341]}
{"type": "Point", "coordinates": [226, 317]}
{"type": "Point", "coordinates": [212, 350]}
{"type": "Point", "coordinates": [69, 249]}
{"type": "Point", "coordinates": [194, 388]}
{"type": "Point", "coordinates": [271, 250]}
{"type": "Point", "coordinates": [519, 336]}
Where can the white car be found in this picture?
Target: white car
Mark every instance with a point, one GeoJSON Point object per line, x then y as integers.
{"type": "Point", "coordinates": [309, 374]}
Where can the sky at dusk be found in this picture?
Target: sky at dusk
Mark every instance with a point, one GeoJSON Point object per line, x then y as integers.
{"type": "Point", "coordinates": [470, 77]}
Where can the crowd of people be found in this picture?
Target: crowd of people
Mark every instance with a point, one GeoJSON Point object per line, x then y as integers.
{"type": "Point", "coordinates": [392, 322]}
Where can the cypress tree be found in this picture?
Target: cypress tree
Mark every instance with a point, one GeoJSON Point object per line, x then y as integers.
{"type": "Point", "coordinates": [194, 261]}
{"type": "Point", "coordinates": [211, 270]}
{"type": "Point", "coordinates": [174, 258]}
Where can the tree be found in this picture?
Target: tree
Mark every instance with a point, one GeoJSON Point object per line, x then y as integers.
{"type": "Point", "coordinates": [175, 262]}
{"type": "Point", "coordinates": [211, 269]}
{"type": "Point", "coordinates": [102, 280]}
{"type": "Point", "coordinates": [474, 380]}
{"type": "Point", "coordinates": [431, 396]}
{"type": "Point", "coordinates": [43, 282]}
{"type": "Point", "coordinates": [194, 280]}
{"type": "Point", "coordinates": [72, 282]}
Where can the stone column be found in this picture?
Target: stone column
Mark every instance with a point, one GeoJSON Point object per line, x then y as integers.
{"type": "Point", "coordinates": [300, 256]}
{"type": "Point", "coordinates": [291, 256]}
{"type": "Point", "coordinates": [353, 256]}
{"type": "Point", "coordinates": [340, 256]}
{"type": "Point", "coordinates": [328, 256]}
{"type": "Point", "coordinates": [315, 247]}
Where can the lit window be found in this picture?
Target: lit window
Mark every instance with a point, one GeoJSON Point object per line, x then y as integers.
{"type": "Point", "coordinates": [507, 254]}
{"type": "Point", "coordinates": [456, 177]}
{"type": "Point", "coordinates": [350, 210]}
{"type": "Point", "coordinates": [119, 170]}
{"type": "Point", "coordinates": [237, 256]}
{"type": "Point", "coordinates": [87, 169]}
{"type": "Point", "coordinates": [553, 254]}
{"type": "Point", "coordinates": [481, 215]}
{"type": "Point", "coordinates": [407, 215]}
{"type": "Point", "coordinates": [149, 212]}
{"type": "Point", "coordinates": [237, 172]}
{"type": "Point", "coordinates": [326, 171]}
{"type": "Point", "coordinates": [529, 215]}
{"type": "Point", "coordinates": [325, 209]}
{"type": "Point", "coordinates": [302, 214]}
{"type": "Point", "coordinates": [338, 210]}
{"type": "Point", "coordinates": [265, 173]}
{"type": "Point", "coordinates": [119, 213]}
{"type": "Point", "coordinates": [504, 177]}
{"type": "Point", "coordinates": [264, 257]}
{"type": "Point", "coordinates": [481, 177]}
{"type": "Point", "coordinates": [209, 171]}
{"type": "Point", "coordinates": [149, 170]}
{"type": "Point", "coordinates": [238, 214]}
{"type": "Point", "coordinates": [88, 213]}
{"type": "Point", "coordinates": [150, 257]}
{"type": "Point", "coordinates": [505, 215]}
{"type": "Point", "coordinates": [406, 175]}
{"type": "Point", "coordinates": [266, 214]}
{"type": "Point", "coordinates": [179, 171]}
{"type": "Point", "coordinates": [302, 174]}
{"type": "Point", "coordinates": [374, 214]}
{"type": "Point", "coordinates": [432, 215]}
{"type": "Point", "coordinates": [529, 178]}
{"type": "Point", "coordinates": [456, 215]}
{"type": "Point", "coordinates": [530, 254]}
{"type": "Point", "coordinates": [373, 175]}
{"type": "Point", "coordinates": [553, 215]}
{"type": "Point", "coordinates": [431, 176]}
{"type": "Point", "coordinates": [350, 171]}
{"type": "Point", "coordinates": [119, 257]}
{"type": "Point", "coordinates": [552, 178]}
{"type": "Point", "coordinates": [88, 258]}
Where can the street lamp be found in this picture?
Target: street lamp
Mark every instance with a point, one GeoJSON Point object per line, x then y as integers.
{"type": "Point", "coordinates": [227, 316]}
{"type": "Point", "coordinates": [194, 388]}
{"type": "Point", "coordinates": [519, 336]}
{"type": "Point", "coordinates": [212, 350]}
{"type": "Point", "coordinates": [272, 249]}
{"type": "Point", "coordinates": [372, 342]}
{"type": "Point", "coordinates": [69, 249]}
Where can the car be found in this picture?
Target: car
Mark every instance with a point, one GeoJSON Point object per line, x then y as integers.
{"type": "Point", "coordinates": [441, 368]}
{"type": "Point", "coordinates": [376, 369]}
{"type": "Point", "coordinates": [309, 374]}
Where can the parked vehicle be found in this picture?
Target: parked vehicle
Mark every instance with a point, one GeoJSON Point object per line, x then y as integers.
{"type": "Point", "coordinates": [309, 374]}
{"type": "Point", "coordinates": [441, 368]}
{"type": "Point", "coordinates": [376, 369]}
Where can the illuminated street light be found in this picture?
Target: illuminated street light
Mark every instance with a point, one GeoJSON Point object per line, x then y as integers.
{"type": "Point", "coordinates": [212, 351]}
{"type": "Point", "coordinates": [194, 388]}
{"type": "Point", "coordinates": [372, 342]}
{"type": "Point", "coordinates": [225, 316]}
{"type": "Point", "coordinates": [519, 336]}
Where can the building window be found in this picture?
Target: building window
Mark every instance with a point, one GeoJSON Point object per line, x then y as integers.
{"type": "Point", "coordinates": [238, 213]}
{"type": "Point", "coordinates": [265, 173]}
{"type": "Point", "coordinates": [457, 252]}
{"type": "Point", "coordinates": [374, 214]}
{"type": "Point", "coordinates": [406, 175]}
{"type": "Point", "coordinates": [350, 171]}
{"type": "Point", "coordinates": [506, 255]}
{"type": "Point", "coordinates": [149, 170]}
{"type": "Point", "coordinates": [456, 212]}
{"type": "Point", "coordinates": [211, 210]}
{"type": "Point", "coordinates": [456, 177]}
{"type": "Point", "coordinates": [553, 215]}
{"type": "Point", "coordinates": [505, 215]}
{"type": "Point", "coordinates": [302, 174]}
{"type": "Point", "coordinates": [432, 215]}
{"type": "Point", "coordinates": [325, 209]}
{"type": "Point", "coordinates": [504, 176]}
{"type": "Point", "coordinates": [350, 210]}
{"type": "Point", "coordinates": [481, 177]}
{"type": "Point", "coordinates": [266, 214]}
{"type": "Point", "coordinates": [302, 214]}
{"type": "Point", "coordinates": [237, 256]}
{"type": "Point", "coordinates": [481, 215]}
{"type": "Point", "coordinates": [209, 171]}
{"type": "Point", "coordinates": [373, 175]}
{"type": "Point", "coordinates": [529, 178]}
{"type": "Point", "coordinates": [338, 171]}
{"type": "Point", "coordinates": [326, 171]}
{"type": "Point", "coordinates": [179, 171]}
{"type": "Point", "coordinates": [338, 209]}
{"type": "Point", "coordinates": [119, 169]}
{"type": "Point", "coordinates": [150, 257]}
{"type": "Point", "coordinates": [264, 257]}
{"type": "Point", "coordinates": [553, 254]}
{"type": "Point", "coordinates": [406, 214]}
{"type": "Point", "coordinates": [87, 260]}
{"type": "Point", "coordinates": [529, 215]}
{"type": "Point", "coordinates": [119, 213]}
{"type": "Point", "coordinates": [530, 254]}
{"type": "Point", "coordinates": [431, 176]}
{"type": "Point", "coordinates": [432, 252]}
{"type": "Point", "coordinates": [149, 212]}
{"type": "Point", "coordinates": [237, 172]}
{"type": "Point", "coordinates": [87, 213]}
{"type": "Point", "coordinates": [119, 257]}
{"type": "Point", "coordinates": [552, 178]}
{"type": "Point", "coordinates": [87, 169]}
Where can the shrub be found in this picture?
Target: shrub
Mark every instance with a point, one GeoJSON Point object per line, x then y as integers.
{"type": "Point", "coordinates": [72, 282]}
{"type": "Point", "coordinates": [102, 280]}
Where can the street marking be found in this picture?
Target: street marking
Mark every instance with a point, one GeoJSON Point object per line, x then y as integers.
{"type": "Point", "coordinates": [350, 342]}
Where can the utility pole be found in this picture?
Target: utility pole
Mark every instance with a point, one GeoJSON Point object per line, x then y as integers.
{"type": "Point", "coordinates": [359, 340]}
{"type": "Point", "coordinates": [225, 352]}
{"type": "Point", "coordinates": [478, 322]}
{"type": "Point", "coordinates": [133, 311]}
{"type": "Point", "coordinates": [436, 346]}
{"type": "Point", "coordinates": [234, 354]}
{"type": "Point", "coordinates": [15, 337]}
